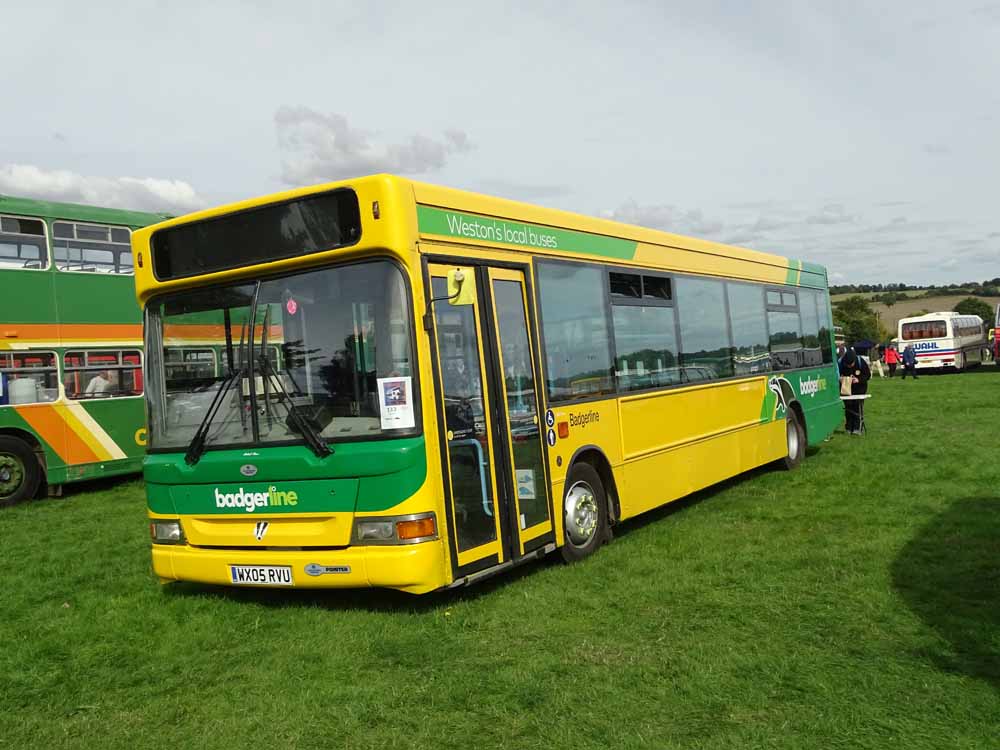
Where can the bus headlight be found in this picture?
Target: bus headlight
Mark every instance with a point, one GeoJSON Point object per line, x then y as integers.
{"type": "Point", "coordinates": [416, 527]}
{"type": "Point", "coordinates": [371, 531]}
{"type": "Point", "coordinates": [166, 532]}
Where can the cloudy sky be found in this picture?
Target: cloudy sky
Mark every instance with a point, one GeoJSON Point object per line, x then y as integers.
{"type": "Point", "coordinates": [859, 135]}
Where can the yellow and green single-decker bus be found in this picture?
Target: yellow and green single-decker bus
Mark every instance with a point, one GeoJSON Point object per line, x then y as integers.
{"type": "Point", "coordinates": [416, 387]}
{"type": "Point", "coordinates": [71, 384]}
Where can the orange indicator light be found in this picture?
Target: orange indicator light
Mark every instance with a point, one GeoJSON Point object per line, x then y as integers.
{"type": "Point", "coordinates": [416, 529]}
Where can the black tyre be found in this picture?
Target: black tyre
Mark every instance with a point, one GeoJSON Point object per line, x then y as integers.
{"type": "Point", "coordinates": [19, 471]}
{"type": "Point", "coordinates": [795, 438]}
{"type": "Point", "coordinates": [585, 513]}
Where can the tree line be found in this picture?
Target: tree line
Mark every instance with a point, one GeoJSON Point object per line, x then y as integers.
{"type": "Point", "coordinates": [986, 288]}
{"type": "Point", "coordinates": [859, 321]}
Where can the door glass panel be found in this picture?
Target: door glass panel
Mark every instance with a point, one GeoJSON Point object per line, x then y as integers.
{"type": "Point", "coordinates": [465, 420]}
{"type": "Point", "coordinates": [522, 413]}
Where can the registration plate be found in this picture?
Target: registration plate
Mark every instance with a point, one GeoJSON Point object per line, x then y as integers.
{"type": "Point", "coordinates": [261, 575]}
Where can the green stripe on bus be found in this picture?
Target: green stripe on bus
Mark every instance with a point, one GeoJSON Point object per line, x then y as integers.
{"type": "Point", "coordinates": [792, 275]}
{"type": "Point", "coordinates": [520, 234]}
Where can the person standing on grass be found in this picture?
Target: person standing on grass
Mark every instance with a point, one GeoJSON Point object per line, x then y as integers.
{"type": "Point", "coordinates": [854, 367]}
{"type": "Point", "coordinates": [909, 362]}
{"type": "Point", "coordinates": [891, 359]}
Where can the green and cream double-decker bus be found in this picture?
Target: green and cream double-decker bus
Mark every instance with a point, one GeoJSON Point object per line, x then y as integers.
{"type": "Point", "coordinates": [70, 346]}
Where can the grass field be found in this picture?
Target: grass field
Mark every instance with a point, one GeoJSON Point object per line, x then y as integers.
{"type": "Point", "coordinates": [854, 603]}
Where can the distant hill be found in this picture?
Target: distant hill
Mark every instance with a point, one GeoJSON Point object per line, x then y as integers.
{"type": "Point", "coordinates": [890, 316]}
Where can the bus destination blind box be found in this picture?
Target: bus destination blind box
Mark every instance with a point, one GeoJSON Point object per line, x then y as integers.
{"type": "Point", "coordinates": [276, 231]}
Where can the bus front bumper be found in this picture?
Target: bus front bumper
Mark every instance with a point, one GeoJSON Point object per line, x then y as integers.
{"type": "Point", "coordinates": [415, 568]}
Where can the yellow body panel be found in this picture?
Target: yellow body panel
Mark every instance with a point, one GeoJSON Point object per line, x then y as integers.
{"type": "Point", "coordinates": [416, 568]}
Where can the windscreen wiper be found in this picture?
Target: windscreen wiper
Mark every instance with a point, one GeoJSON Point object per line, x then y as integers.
{"type": "Point", "coordinates": [197, 445]}
{"type": "Point", "coordinates": [312, 438]}
{"type": "Point", "coordinates": [304, 426]}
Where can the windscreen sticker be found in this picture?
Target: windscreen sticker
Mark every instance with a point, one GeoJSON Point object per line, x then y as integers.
{"type": "Point", "coordinates": [396, 403]}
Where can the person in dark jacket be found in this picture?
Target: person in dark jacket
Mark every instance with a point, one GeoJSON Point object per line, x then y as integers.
{"type": "Point", "coordinates": [909, 362]}
{"type": "Point", "coordinates": [854, 367]}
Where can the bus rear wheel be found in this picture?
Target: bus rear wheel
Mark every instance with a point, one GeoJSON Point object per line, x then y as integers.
{"type": "Point", "coordinates": [19, 471]}
{"type": "Point", "coordinates": [795, 437]}
{"type": "Point", "coordinates": [585, 513]}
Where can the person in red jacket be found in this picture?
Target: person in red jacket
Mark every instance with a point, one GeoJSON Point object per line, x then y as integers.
{"type": "Point", "coordinates": [892, 359]}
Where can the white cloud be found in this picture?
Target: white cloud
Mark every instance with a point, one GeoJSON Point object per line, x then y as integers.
{"type": "Point", "coordinates": [138, 193]}
{"type": "Point", "coordinates": [668, 218]}
{"type": "Point", "coordinates": [318, 147]}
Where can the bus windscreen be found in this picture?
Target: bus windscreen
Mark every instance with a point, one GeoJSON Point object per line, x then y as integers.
{"type": "Point", "coordinates": [276, 231]}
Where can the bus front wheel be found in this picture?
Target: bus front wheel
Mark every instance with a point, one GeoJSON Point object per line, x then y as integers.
{"type": "Point", "coordinates": [19, 471]}
{"type": "Point", "coordinates": [585, 513]}
{"type": "Point", "coordinates": [795, 437]}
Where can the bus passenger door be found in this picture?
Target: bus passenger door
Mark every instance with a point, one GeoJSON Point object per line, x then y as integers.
{"type": "Point", "coordinates": [519, 423]}
{"type": "Point", "coordinates": [499, 505]}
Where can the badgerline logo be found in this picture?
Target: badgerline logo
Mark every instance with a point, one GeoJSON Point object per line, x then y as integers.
{"type": "Point", "coordinates": [250, 501]}
{"type": "Point", "coordinates": [809, 387]}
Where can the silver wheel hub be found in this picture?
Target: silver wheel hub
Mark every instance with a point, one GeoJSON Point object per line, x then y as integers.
{"type": "Point", "coordinates": [792, 434]}
{"type": "Point", "coordinates": [581, 514]}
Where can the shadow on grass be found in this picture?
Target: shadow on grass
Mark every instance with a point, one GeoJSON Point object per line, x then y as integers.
{"type": "Point", "coordinates": [949, 576]}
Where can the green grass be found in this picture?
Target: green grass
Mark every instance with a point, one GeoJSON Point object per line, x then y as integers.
{"type": "Point", "coordinates": [852, 603]}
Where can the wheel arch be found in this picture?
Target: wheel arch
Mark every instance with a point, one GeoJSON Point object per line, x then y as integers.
{"type": "Point", "coordinates": [593, 455]}
{"type": "Point", "coordinates": [36, 447]}
{"type": "Point", "coordinates": [32, 441]}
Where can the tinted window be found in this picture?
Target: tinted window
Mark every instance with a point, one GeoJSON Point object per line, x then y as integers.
{"type": "Point", "coordinates": [705, 349]}
{"type": "Point", "coordinates": [625, 285]}
{"type": "Point", "coordinates": [924, 329]}
{"type": "Point", "coordinates": [751, 353]}
{"type": "Point", "coordinates": [575, 329]}
{"type": "Point", "coordinates": [281, 230]}
{"type": "Point", "coordinates": [656, 287]}
{"type": "Point", "coordinates": [786, 339]}
{"type": "Point", "coordinates": [646, 346]}
{"type": "Point", "coordinates": [812, 355]}
{"type": "Point", "coordinates": [825, 326]}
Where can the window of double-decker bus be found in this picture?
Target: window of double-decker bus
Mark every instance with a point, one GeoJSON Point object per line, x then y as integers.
{"type": "Point", "coordinates": [189, 364]}
{"type": "Point", "coordinates": [925, 329]}
{"type": "Point", "coordinates": [28, 377]}
{"type": "Point", "coordinates": [102, 374]}
{"type": "Point", "coordinates": [334, 340]}
{"type": "Point", "coordinates": [22, 243]}
{"type": "Point", "coordinates": [91, 248]}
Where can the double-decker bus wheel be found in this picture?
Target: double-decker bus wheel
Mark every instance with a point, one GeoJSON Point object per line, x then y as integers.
{"type": "Point", "coordinates": [19, 471]}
